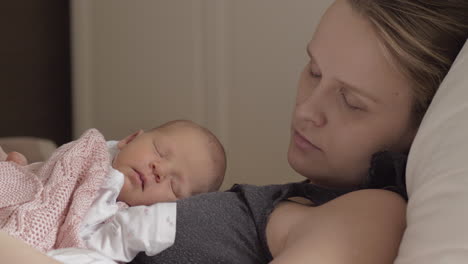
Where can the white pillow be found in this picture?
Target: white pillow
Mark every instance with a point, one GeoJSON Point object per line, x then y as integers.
{"type": "Point", "coordinates": [437, 177]}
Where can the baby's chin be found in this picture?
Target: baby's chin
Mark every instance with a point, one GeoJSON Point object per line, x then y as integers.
{"type": "Point", "coordinates": [113, 162]}
{"type": "Point", "coordinates": [123, 200]}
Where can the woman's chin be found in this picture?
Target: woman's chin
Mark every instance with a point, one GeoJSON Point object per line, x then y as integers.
{"type": "Point", "coordinates": [310, 169]}
{"type": "Point", "coordinates": [298, 162]}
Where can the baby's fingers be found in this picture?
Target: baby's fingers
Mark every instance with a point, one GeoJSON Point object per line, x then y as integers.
{"type": "Point", "coordinates": [17, 158]}
{"type": "Point", "coordinates": [3, 155]}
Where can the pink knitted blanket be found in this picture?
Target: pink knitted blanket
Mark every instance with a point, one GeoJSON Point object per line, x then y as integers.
{"type": "Point", "coordinates": [44, 204]}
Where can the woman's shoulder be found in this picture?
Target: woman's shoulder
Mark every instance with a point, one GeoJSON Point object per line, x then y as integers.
{"type": "Point", "coordinates": [369, 222]}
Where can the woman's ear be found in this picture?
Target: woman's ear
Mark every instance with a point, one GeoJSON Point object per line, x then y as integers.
{"type": "Point", "coordinates": [122, 143]}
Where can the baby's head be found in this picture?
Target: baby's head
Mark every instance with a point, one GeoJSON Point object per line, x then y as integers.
{"type": "Point", "coordinates": [173, 161]}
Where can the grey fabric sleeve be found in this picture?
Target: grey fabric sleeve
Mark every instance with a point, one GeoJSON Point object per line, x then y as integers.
{"type": "Point", "coordinates": [211, 228]}
{"type": "Point", "coordinates": [230, 227]}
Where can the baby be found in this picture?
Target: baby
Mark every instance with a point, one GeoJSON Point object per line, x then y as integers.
{"type": "Point", "coordinates": [133, 210]}
{"type": "Point", "coordinates": [173, 161]}
{"type": "Point", "coordinates": [176, 160]}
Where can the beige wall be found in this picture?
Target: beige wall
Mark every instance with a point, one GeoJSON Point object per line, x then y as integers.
{"type": "Point", "coordinates": [231, 65]}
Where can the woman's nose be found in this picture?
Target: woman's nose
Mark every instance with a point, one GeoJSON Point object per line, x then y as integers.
{"type": "Point", "coordinates": [311, 108]}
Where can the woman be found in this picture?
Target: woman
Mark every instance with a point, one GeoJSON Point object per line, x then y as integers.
{"type": "Point", "coordinates": [374, 68]}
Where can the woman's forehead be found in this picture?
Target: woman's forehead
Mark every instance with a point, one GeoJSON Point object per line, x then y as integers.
{"type": "Point", "coordinates": [346, 48]}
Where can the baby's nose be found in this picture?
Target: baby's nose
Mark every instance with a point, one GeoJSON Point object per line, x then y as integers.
{"type": "Point", "coordinates": [157, 169]}
{"type": "Point", "coordinates": [158, 178]}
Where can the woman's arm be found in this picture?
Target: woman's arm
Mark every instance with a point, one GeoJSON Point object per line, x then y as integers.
{"type": "Point", "coordinates": [13, 250]}
{"type": "Point", "coordinates": [360, 227]}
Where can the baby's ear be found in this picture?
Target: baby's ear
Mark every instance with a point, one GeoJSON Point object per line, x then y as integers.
{"type": "Point", "coordinates": [129, 139]}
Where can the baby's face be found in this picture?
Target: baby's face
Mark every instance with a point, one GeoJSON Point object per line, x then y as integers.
{"type": "Point", "coordinates": [164, 165]}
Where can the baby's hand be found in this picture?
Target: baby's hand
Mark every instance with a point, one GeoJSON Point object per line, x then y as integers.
{"type": "Point", "coordinates": [17, 158]}
{"type": "Point", "coordinates": [3, 155]}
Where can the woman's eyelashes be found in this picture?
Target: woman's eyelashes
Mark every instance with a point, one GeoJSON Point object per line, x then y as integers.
{"type": "Point", "coordinates": [346, 101]}
{"type": "Point", "coordinates": [316, 75]}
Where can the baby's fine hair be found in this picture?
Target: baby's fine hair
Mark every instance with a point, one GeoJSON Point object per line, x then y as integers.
{"type": "Point", "coordinates": [218, 153]}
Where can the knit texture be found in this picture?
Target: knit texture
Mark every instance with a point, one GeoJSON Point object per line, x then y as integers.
{"type": "Point", "coordinates": [45, 206]}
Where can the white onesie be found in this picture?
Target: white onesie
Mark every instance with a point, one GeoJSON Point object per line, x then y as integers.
{"type": "Point", "coordinates": [121, 233]}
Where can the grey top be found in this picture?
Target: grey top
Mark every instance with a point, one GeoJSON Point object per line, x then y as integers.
{"type": "Point", "coordinates": [229, 227]}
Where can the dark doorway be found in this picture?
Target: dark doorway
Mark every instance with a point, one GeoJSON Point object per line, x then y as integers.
{"type": "Point", "coordinates": [35, 80]}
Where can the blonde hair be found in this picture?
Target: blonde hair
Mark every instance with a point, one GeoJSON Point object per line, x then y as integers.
{"type": "Point", "coordinates": [422, 37]}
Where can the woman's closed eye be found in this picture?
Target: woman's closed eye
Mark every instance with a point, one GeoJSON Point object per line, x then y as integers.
{"type": "Point", "coordinates": [347, 101]}
{"type": "Point", "coordinates": [315, 74]}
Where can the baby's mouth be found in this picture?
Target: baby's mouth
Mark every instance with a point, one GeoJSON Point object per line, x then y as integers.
{"type": "Point", "coordinates": [142, 179]}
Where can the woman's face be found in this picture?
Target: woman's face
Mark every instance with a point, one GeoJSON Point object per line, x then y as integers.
{"type": "Point", "coordinates": [351, 102]}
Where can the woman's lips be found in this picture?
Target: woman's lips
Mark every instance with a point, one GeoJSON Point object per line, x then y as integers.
{"type": "Point", "coordinates": [302, 143]}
